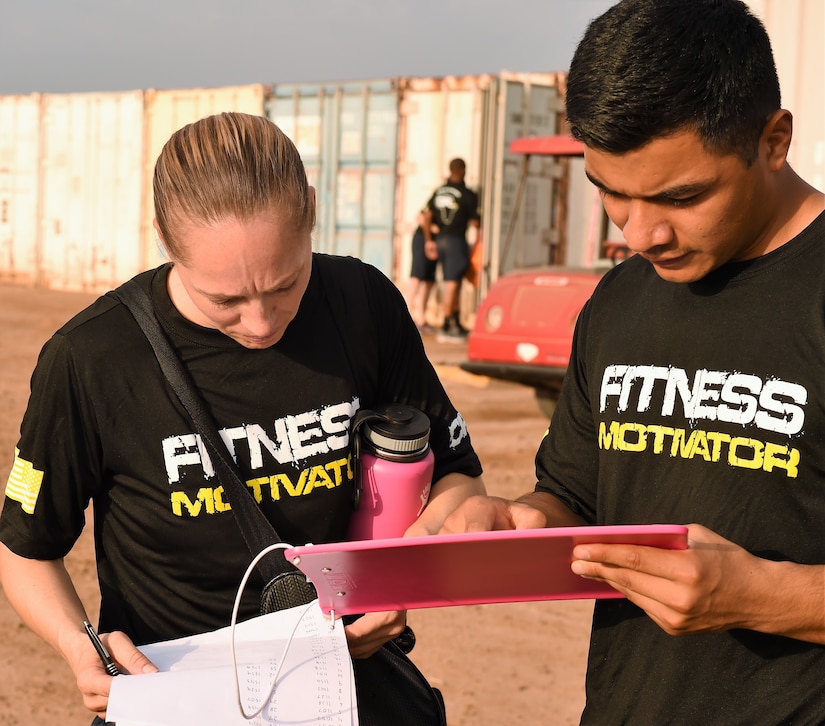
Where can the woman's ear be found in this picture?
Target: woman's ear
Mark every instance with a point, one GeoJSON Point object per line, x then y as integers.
{"type": "Point", "coordinates": [161, 243]}
{"type": "Point", "coordinates": [312, 203]}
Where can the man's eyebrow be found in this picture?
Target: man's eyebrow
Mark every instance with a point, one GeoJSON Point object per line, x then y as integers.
{"type": "Point", "coordinates": [683, 191]}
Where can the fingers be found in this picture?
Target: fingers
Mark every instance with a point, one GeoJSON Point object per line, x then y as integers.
{"type": "Point", "coordinates": [684, 591]}
{"type": "Point", "coordinates": [479, 514]}
{"type": "Point", "coordinates": [128, 658]}
{"type": "Point", "coordinates": [367, 634]}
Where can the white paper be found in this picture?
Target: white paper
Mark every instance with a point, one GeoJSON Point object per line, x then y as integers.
{"type": "Point", "coordinates": [195, 685]}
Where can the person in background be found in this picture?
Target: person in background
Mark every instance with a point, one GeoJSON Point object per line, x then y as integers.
{"type": "Point", "coordinates": [452, 208]}
{"type": "Point", "coordinates": [422, 275]}
{"type": "Point", "coordinates": [249, 308]}
{"type": "Point", "coordinates": [695, 393]}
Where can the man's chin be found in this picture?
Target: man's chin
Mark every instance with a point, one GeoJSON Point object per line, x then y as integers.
{"type": "Point", "coordinates": [684, 272]}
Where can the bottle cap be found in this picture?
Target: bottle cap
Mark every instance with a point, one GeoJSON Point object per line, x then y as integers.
{"type": "Point", "coordinates": [399, 430]}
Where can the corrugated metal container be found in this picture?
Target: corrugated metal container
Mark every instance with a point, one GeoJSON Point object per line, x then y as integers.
{"type": "Point", "coordinates": [19, 187]}
{"type": "Point", "coordinates": [346, 135]}
{"type": "Point", "coordinates": [528, 105]}
{"type": "Point", "coordinates": [90, 191]}
{"type": "Point", "coordinates": [796, 29]}
{"type": "Point", "coordinates": [476, 118]}
{"type": "Point", "coordinates": [440, 119]}
{"type": "Point", "coordinates": [376, 150]}
{"type": "Point", "coordinates": [165, 113]}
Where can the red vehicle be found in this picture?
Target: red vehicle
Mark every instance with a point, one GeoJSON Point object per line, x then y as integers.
{"type": "Point", "coordinates": [523, 330]}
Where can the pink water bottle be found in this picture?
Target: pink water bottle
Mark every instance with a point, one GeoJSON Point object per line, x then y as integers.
{"type": "Point", "coordinates": [393, 470]}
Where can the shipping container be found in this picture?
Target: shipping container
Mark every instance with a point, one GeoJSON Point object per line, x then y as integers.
{"type": "Point", "coordinates": [475, 118]}
{"type": "Point", "coordinates": [376, 150]}
{"type": "Point", "coordinates": [796, 29]}
{"type": "Point", "coordinates": [346, 134]}
{"type": "Point", "coordinates": [90, 190]}
{"type": "Point", "coordinates": [165, 113]}
{"type": "Point", "coordinates": [19, 187]}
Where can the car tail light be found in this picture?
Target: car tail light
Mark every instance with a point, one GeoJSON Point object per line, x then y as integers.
{"type": "Point", "coordinates": [494, 318]}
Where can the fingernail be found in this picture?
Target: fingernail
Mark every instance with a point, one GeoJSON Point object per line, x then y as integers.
{"type": "Point", "coordinates": [580, 553]}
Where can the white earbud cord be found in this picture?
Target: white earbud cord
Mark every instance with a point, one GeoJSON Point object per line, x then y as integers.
{"type": "Point", "coordinates": [265, 702]}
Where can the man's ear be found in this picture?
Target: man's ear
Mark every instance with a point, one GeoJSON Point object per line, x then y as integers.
{"type": "Point", "coordinates": [776, 139]}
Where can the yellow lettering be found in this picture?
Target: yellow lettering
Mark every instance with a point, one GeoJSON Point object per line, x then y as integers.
{"type": "Point", "coordinates": [209, 499]}
{"type": "Point", "coordinates": [334, 468]}
{"type": "Point", "coordinates": [700, 445]}
{"type": "Point", "coordinates": [606, 440]}
{"type": "Point", "coordinates": [756, 448]}
{"type": "Point", "coordinates": [317, 477]}
{"type": "Point", "coordinates": [682, 446]}
{"type": "Point", "coordinates": [659, 433]}
{"type": "Point", "coordinates": [255, 485]}
{"type": "Point", "coordinates": [783, 458]}
{"type": "Point", "coordinates": [717, 439]}
{"type": "Point", "coordinates": [206, 495]}
{"type": "Point", "coordinates": [181, 500]}
{"type": "Point", "coordinates": [638, 440]}
{"type": "Point", "coordinates": [221, 505]}
{"type": "Point", "coordinates": [709, 445]}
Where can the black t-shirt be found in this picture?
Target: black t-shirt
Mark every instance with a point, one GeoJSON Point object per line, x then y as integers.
{"type": "Point", "coordinates": [103, 425]}
{"type": "Point", "coordinates": [453, 206]}
{"type": "Point", "coordinates": [700, 403]}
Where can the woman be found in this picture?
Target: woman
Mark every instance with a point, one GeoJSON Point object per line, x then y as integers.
{"type": "Point", "coordinates": [261, 324]}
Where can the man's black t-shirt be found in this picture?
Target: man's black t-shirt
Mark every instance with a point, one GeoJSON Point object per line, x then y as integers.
{"type": "Point", "coordinates": [453, 206]}
{"type": "Point", "coordinates": [700, 403]}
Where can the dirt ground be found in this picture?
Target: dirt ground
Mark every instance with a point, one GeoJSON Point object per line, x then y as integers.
{"type": "Point", "coordinates": [496, 664]}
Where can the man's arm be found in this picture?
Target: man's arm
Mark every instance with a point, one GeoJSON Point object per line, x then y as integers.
{"type": "Point", "coordinates": [43, 594]}
{"type": "Point", "coordinates": [714, 585]}
{"type": "Point", "coordinates": [446, 495]}
{"type": "Point", "coordinates": [530, 511]}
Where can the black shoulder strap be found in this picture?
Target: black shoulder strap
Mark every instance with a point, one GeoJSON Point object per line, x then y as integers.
{"type": "Point", "coordinates": [255, 527]}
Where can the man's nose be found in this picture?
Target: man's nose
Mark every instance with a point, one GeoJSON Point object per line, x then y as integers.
{"type": "Point", "coordinates": [646, 227]}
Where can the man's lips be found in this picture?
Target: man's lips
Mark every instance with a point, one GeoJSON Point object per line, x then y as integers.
{"type": "Point", "coordinates": [668, 260]}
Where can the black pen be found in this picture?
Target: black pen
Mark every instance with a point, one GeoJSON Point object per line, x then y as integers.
{"type": "Point", "coordinates": [111, 668]}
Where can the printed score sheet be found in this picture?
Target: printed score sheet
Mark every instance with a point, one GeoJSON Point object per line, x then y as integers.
{"type": "Point", "coordinates": [195, 684]}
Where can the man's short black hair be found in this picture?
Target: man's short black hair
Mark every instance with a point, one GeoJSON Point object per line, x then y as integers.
{"type": "Point", "coordinates": [648, 68]}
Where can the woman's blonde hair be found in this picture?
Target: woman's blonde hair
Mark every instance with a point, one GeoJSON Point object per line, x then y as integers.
{"type": "Point", "coordinates": [228, 166]}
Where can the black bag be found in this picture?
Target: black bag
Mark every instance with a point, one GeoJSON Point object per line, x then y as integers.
{"type": "Point", "coordinates": [390, 689]}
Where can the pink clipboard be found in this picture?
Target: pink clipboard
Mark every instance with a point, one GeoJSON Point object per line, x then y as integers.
{"type": "Point", "coordinates": [464, 569]}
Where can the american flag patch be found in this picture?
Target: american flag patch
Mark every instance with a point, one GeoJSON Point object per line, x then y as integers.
{"type": "Point", "coordinates": [24, 483]}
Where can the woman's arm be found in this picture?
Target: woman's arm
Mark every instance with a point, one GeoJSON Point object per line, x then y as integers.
{"type": "Point", "coordinates": [44, 596]}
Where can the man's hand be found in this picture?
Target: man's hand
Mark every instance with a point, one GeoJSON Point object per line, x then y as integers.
{"type": "Point", "coordinates": [714, 585]}
{"type": "Point", "coordinates": [367, 634]}
{"type": "Point", "coordinates": [484, 514]}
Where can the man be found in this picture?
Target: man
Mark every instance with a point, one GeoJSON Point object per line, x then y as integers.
{"type": "Point", "coordinates": [695, 392]}
{"type": "Point", "coordinates": [452, 208]}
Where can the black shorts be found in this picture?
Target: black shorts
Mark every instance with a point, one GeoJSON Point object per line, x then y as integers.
{"type": "Point", "coordinates": [454, 254]}
{"type": "Point", "coordinates": [423, 268]}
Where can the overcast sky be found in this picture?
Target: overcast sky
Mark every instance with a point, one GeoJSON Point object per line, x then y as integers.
{"type": "Point", "coordinates": [55, 46]}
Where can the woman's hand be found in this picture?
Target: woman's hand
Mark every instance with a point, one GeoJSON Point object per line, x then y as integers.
{"type": "Point", "coordinates": [92, 679]}
{"type": "Point", "coordinates": [367, 634]}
